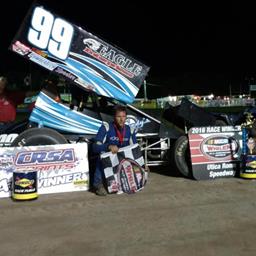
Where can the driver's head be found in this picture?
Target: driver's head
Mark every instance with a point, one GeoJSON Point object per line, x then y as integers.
{"type": "Point", "coordinates": [120, 116]}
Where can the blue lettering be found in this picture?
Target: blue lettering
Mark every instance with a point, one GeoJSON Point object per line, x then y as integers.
{"type": "Point", "coordinates": [54, 156]}
{"type": "Point", "coordinates": [60, 156]}
{"type": "Point", "coordinates": [38, 157]}
{"type": "Point", "coordinates": [67, 156]}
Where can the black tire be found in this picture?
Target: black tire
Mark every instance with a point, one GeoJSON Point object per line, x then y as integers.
{"type": "Point", "coordinates": [181, 156]}
{"type": "Point", "coordinates": [39, 136]}
{"type": "Point", "coordinates": [220, 122]}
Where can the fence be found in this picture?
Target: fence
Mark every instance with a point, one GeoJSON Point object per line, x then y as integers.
{"type": "Point", "coordinates": [233, 102]}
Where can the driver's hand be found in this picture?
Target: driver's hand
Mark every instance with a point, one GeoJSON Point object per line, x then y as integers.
{"type": "Point", "coordinates": [113, 148]}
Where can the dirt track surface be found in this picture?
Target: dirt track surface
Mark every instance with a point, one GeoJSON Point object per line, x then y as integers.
{"type": "Point", "coordinates": [171, 216]}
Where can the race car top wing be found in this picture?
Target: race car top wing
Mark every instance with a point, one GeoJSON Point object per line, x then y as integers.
{"type": "Point", "coordinates": [69, 51]}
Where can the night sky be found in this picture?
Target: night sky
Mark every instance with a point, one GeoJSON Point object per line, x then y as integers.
{"type": "Point", "coordinates": [190, 48]}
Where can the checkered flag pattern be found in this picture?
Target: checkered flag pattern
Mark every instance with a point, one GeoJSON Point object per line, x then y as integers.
{"type": "Point", "coordinates": [121, 174]}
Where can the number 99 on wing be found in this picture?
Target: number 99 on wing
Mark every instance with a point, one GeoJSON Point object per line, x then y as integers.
{"type": "Point", "coordinates": [49, 33]}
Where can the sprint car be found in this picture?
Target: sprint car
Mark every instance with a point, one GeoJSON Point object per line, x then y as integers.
{"type": "Point", "coordinates": [100, 70]}
{"type": "Point", "coordinates": [105, 74]}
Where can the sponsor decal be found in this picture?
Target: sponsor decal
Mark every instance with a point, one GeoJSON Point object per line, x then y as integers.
{"type": "Point", "coordinates": [113, 138]}
{"type": "Point", "coordinates": [65, 73]}
{"type": "Point", "coordinates": [92, 43]}
{"type": "Point", "coordinates": [112, 58]}
{"type": "Point", "coordinates": [85, 84]}
{"type": "Point", "coordinates": [220, 166]}
{"type": "Point", "coordinates": [221, 173]}
{"type": "Point", "coordinates": [80, 182]}
{"type": "Point", "coordinates": [136, 123]}
{"type": "Point", "coordinates": [251, 164]}
{"type": "Point", "coordinates": [42, 61]}
{"type": "Point", "coordinates": [45, 157]}
{"type": "Point", "coordinates": [6, 161]}
{"type": "Point", "coordinates": [20, 48]}
{"type": "Point", "coordinates": [24, 183]}
{"type": "Point", "coordinates": [219, 147]}
{"type": "Point", "coordinates": [39, 52]}
{"type": "Point", "coordinates": [7, 139]}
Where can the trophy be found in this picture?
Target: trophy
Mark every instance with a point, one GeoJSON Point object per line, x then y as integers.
{"type": "Point", "coordinates": [248, 156]}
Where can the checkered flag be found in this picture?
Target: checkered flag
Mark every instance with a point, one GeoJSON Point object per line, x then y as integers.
{"type": "Point", "coordinates": [124, 171]}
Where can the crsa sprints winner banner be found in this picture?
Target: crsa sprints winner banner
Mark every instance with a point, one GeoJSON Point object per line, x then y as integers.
{"type": "Point", "coordinates": [215, 151]}
{"type": "Point", "coordinates": [60, 168]}
{"type": "Point", "coordinates": [84, 59]}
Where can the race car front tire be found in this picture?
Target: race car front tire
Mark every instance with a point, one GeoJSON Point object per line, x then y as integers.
{"type": "Point", "coordinates": [39, 136]}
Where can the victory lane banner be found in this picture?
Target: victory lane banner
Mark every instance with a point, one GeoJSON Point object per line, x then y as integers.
{"type": "Point", "coordinates": [215, 151]}
{"type": "Point", "coordinates": [60, 168]}
{"type": "Point", "coordinates": [84, 59]}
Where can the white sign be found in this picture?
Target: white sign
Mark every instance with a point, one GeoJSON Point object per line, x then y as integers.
{"type": "Point", "coordinates": [60, 168]}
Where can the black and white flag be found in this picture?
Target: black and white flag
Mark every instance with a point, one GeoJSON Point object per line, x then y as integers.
{"type": "Point", "coordinates": [124, 171]}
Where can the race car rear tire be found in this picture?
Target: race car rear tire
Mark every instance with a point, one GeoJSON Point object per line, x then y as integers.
{"type": "Point", "coordinates": [220, 122]}
{"type": "Point", "coordinates": [39, 136]}
{"type": "Point", "coordinates": [181, 156]}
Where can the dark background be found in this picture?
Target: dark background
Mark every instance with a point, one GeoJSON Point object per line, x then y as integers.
{"type": "Point", "coordinates": [191, 48]}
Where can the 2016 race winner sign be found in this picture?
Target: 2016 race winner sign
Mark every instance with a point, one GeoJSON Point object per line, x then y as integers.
{"type": "Point", "coordinates": [215, 151]}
